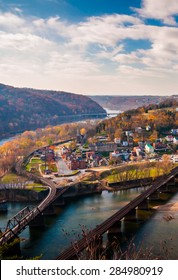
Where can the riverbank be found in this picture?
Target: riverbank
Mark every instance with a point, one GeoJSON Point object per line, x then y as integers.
{"type": "Point", "coordinates": [172, 207]}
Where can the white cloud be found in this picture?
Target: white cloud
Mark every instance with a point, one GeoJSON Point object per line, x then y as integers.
{"type": "Point", "coordinates": [89, 56]}
{"type": "Point", "coordinates": [164, 10]}
{"type": "Point", "coordinates": [10, 22]}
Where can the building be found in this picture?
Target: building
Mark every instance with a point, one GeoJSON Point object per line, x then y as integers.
{"type": "Point", "coordinates": [175, 140]}
{"type": "Point", "coordinates": [149, 148]}
{"type": "Point", "coordinates": [159, 146]}
{"type": "Point", "coordinates": [169, 138]}
{"type": "Point", "coordinates": [90, 155]}
{"type": "Point", "coordinates": [137, 150]}
{"type": "Point", "coordinates": [117, 140]}
{"type": "Point", "coordinates": [174, 131]}
{"type": "Point", "coordinates": [75, 164]}
{"type": "Point", "coordinates": [103, 147]}
{"type": "Point", "coordinates": [125, 143]}
{"type": "Point", "coordinates": [148, 128]}
{"type": "Point", "coordinates": [122, 155]}
{"type": "Point", "coordinates": [175, 159]}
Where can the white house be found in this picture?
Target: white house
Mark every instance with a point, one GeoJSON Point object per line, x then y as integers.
{"type": "Point", "coordinates": [117, 140]}
{"type": "Point", "coordinates": [149, 149]}
{"type": "Point", "coordinates": [175, 140]}
{"type": "Point", "coordinates": [169, 138]}
{"type": "Point", "coordinates": [175, 158]}
{"type": "Point", "coordinates": [148, 128]}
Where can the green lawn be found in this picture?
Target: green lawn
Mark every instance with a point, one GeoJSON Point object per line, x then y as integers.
{"type": "Point", "coordinates": [34, 164]}
{"type": "Point", "coordinates": [36, 160]}
{"type": "Point", "coordinates": [36, 188]}
{"type": "Point", "coordinates": [12, 178]}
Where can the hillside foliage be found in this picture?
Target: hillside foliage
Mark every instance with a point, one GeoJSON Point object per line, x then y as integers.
{"type": "Point", "coordinates": [25, 109]}
{"type": "Point", "coordinates": [159, 117]}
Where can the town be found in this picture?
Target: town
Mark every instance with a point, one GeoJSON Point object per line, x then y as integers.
{"type": "Point", "coordinates": [83, 153]}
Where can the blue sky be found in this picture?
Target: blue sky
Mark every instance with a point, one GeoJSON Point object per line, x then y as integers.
{"type": "Point", "coordinates": [90, 47]}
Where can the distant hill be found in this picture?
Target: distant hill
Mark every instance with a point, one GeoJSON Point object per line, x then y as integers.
{"type": "Point", "coordinates": [123, 103]}
{"type": "Point", "coordinates": [146, 123]}
{"type": "Point", "coordinates": [24, 109]}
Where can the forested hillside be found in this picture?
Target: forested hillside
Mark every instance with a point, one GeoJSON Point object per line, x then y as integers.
{"type": "Point", "coordinates": [123, 103]}
{"type": "Point", "coordinates": [24, 109]}
{"type": "Point", "coordinates": [146, 122]}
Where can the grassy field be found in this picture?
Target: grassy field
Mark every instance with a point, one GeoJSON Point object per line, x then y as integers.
{"type": "Point", "coordinates": [12, 178]}
{"type": "Point", "coordinates": [34, 164]}
{"type": "Point", "coordinates": [132, 171]}
{"type": "Point", "coordinates": [35, 187]}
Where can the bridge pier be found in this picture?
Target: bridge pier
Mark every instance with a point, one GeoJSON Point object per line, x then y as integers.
{"type": "Point", "coordinates": [38, 221]}
{"type": "Point", "coordinates": [164, 189]}
{"type": "Point", "coordinates": [132, 215]}
{"type": "Point", "coordinates": [60, 202]}
{"type": "Point", "coordinates": [154, 196]}
{"type": "Point", "coordinates": [171, 182]}
{"type": "Point", "coordinates": [115, 228]}
{"type": "Point", "coordinates": [144, 205]}
{"type": "Point", "coordinates": [50, 210]}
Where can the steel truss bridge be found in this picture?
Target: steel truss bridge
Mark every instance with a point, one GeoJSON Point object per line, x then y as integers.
{"type": "Point", "coordinates": [23, 218]}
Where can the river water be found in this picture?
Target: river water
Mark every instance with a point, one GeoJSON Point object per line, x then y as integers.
{"type": "Point", "coordinates": [155, 233]}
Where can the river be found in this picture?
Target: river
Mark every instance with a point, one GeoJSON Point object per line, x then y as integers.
{"type": "Point", "coordinates": [155, 233]}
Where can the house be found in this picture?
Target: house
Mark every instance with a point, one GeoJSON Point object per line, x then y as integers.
{"type": "Point", "coordinates": [103, 162]}
{"type": "Point", "coordinates": [141, 145]}
{"type": "Point", "coordinates": [169, 138]}
{"type": "Point", "coordinates": [82, 164]}
{"type": "Point", "coordinates": [105, 147]}
{"type": "Point", "coordinates": [174, 131]}
{"type": "Point", "coordinates": [89, 155]}
{"type": "Point", "coordinates": [149, 148]}
{"type": "Point", "coordinates": [175, 159]}
{"type": "Point", "coordinates": [117, 140]}
{"type": "Point", "coordinates": [148, 128]}
{"type": "Point", "coordinates": [137, 150]}
{"type": "Point", "coordinates": [138, 129]}
{"type": "Point", "coordinates": [122, 155]}
{"type": "Point", "coordinates": [125, 143]}
{"type": "Point", "coordinates": [159, 146]}
{"type": "Point", "coordinates": [75, 164]}
{"type": "Point", "coordinates": [175, 140]}
{"type": "Point", "coordinates": [102, 138]}
{"type": "Point", "coordinates": [128, 133]}
{"type": "Point", "coordinates": [130, 141]}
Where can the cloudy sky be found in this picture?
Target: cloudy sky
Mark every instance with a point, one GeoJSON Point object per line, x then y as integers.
{"type": "Point", "coordinates": [91, 47]}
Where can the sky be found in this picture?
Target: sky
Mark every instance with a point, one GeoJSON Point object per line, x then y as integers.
{"type": "Point", "coordinates": [96, 47]}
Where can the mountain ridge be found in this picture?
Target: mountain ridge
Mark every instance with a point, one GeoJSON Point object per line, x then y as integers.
{"type": "Point", "coordinates": [25, 109]}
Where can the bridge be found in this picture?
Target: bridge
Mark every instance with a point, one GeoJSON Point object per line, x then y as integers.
{"type": "Point", "coordinates": [22, 219]}
{"type": "Point", "coordinates": [80, 245]}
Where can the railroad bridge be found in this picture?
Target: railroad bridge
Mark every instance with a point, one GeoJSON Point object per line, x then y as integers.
{"type": "Point", "coordinates": [31, 217]}
{"type": "Point", "coordinates": [140, 202]}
